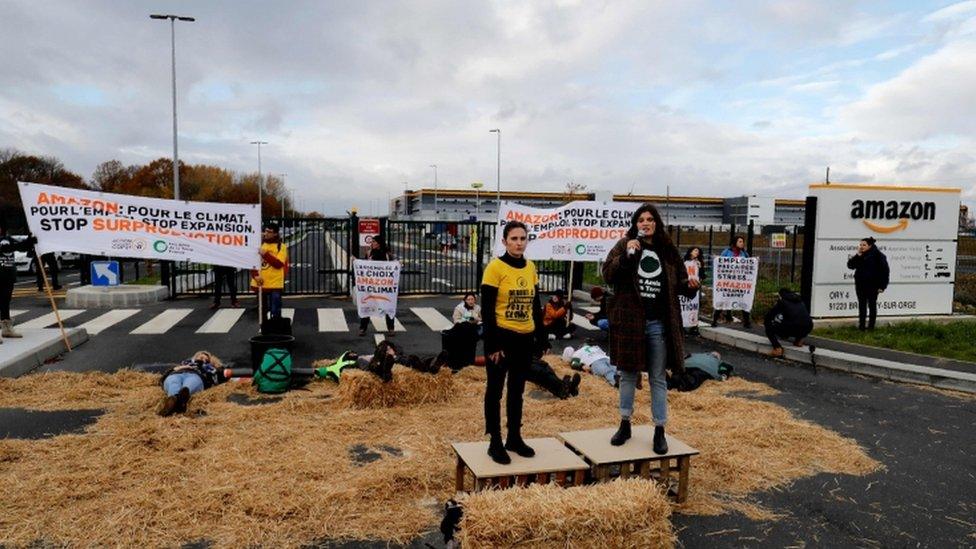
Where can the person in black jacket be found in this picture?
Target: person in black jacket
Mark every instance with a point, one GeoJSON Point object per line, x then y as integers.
{"type": "Point", "coordinates": [870, 279]}
{"type": "Point", "coordinates": [8, 276]}
{"type": "Point", "coordinates": [788, 318]}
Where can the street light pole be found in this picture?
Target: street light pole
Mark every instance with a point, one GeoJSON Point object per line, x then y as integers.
{"type": "Point", "coordinates": [477, 199]}
{"type": "Point", "coordinates": [284, 191]}
{"type": "Point", "coordinates": [176, 156]}
{"type": "Point", "coordinates": [436, 210]}
{"type": "Point", "coordinates": [498, 174]}
{"type": "Point", "coordinates": [260, 177]}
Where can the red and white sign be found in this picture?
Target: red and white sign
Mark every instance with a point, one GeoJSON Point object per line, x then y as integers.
{"type": "Point", "coordinates": [368, 228]}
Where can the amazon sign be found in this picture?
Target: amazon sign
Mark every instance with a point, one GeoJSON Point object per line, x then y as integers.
{"type": "Point", "coordinates": [915, 228]}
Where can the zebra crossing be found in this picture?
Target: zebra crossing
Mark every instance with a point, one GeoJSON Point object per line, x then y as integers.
{"type": "Point", "coordinates": [222, 321]}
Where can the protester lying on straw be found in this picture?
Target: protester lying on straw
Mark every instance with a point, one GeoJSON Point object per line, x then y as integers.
{"type": "Point", "coordinates": [387, 354]}
{"type": "Point", "coordinates": [544, 376]}
{"type": "Point", "coordinates": [193, 375]}
{"type": "Point", "coordinates": [591, 358]}
{"type": "Point", "coordinates": [699, 368]}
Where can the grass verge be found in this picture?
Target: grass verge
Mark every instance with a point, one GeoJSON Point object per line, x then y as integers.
{"type": "Point", "coordinates": [952, 340]}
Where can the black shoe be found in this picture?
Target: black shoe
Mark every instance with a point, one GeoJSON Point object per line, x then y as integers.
{"type": "Point", "coordinates": [622, 434]}
{"type": "Point", "coordinates": [616, 381]}
{"type": "Point", "coordinates": [182, 399]}
{"type": "Point", "coordinates": [168, 406]}
{"type": "Point", "coordinates": [517, 445]}
{"type": "Point", "coordinates": [660, 443]}
{"type": "Point", "coordinates": [574, 385]}
{"type": "Point", "coordinates": [562, 391]}
{"type": "Point", "coordinates": [496, 451]}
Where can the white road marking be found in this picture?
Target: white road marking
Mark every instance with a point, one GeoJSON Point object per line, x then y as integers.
{"type": "Point", "coordinates": [48, 319]}
{"type": "Point", "coordinates": [432, 318]}
{"type": "Point", "coordinates": [332, 320]}
{"type": "Point", "coordinates": [221, 322]}
{"type": "Point", "coordinates": [162, 322]}
{"type": "Point", "coordinates": [107, 320]}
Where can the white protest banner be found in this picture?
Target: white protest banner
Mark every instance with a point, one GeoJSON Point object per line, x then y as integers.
{"type": "Point", "coordinates": [377, 284]}
{"type": "Point", "coordinates": [689, 310]}
{"type": "Point", "coordinates": [734, 282]}
{"type": "Point", "coordinates": [118, 225]}
{"type": "Point", "coordinates": [578, 231]}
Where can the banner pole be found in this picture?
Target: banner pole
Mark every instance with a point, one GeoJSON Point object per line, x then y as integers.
{"type": "Point", "coordinates": [50, 295]}
{"type": "Point", "coordinates": [569, 291]}
{"type": "Point", "coordinates": [260, 308]}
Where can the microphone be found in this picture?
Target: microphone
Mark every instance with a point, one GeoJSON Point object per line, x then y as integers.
{"type": "Point", "coordinates": [630, 251]}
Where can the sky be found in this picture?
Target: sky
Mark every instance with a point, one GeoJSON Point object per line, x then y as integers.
{"type": "Point", "coordinates": [358, 99]}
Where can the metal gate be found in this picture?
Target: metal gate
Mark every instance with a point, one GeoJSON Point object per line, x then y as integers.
{"type": "Point", "coordinates": [319, 260]}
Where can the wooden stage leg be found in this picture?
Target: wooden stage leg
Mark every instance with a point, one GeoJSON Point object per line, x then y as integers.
{"type": "Point", "coordinates": [480, 484]}
{"type": "Point", "coordinates": [502, 482]}
{"type": "Point", "coordinates": [521, 480]}
{"type": "Point", "coordinates": [645, 469]}
{"type": "Point", "coordinates": [625, 470]}
{"type": "Point", "coordinates": [665, 472]}
{"type": "Point", "coordinates": [602, 472]}
{"type": "Point", "coordinates": [459, 475]}
{"type": "Point", "coordinates": [578, 477]}
{"type": "Point", "coordinates": [561, 478]}
{"type": "Point", "coordinates": [684, 464]}
{"type": "Point", "coordinates": [542, 478]}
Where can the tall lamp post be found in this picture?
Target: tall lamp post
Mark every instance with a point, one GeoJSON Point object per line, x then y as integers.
{"type": "Point", "coordinates": [260, 177]}
{"type": "Point", "coordinates": [436, 209]}
{"type": "Point", "coordinates": [284, 192]}
{"type": "Point", "coordinates": [498, 173]}
{"type": "Point", "coordinates": [477, 198]}
{"type": "Point", "coordinates": [172, 34]}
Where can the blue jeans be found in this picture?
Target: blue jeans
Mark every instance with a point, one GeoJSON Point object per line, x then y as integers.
{"type": "Point", "coordinates": [604, 369]}
{"type": "Point", "coordinates": [273, 301]}
{"type": "Point", "coordinates": [656, 361]}
{"type": "Point", "coordinates": [176, 381]}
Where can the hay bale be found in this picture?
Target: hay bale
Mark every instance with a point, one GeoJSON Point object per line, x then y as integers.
{"type": "Point", "coordinates": [360, 389]}
{"type": "Point", "coordinates": [622, 513]}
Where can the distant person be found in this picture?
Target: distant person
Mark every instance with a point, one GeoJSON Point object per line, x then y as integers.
{"type": "Point", "coordinates": [378, 251]}
{"type": "Point", "coordinates": [468, 310]}
{"type": "Point", "coordinates": [599, 318]}
{"type": "Point", "coordinates": [191, 376]}
{"type": "Point", "coordinates": [8, 276]}
{"type": "Point", "coordinates": [592, 359]}
{"type": "Point", "coordinates": [788, 318]}
{"type": "Point", "coordinates": [51, 262]}
{"type": "Point", "coordinates": [699, 368]}
{"type": "Point", "coordinates": [871, 275]}
{"type": "Point", "coordinates": [274, 267]}
{"type": "Point", "coordinates": [695, 266]}
{"type": "Point", "coordinates": [84, 269]}
{"type": "Point", "coordinates": [224, 274]}
{"type": "Point", "coordinates": [557, 315]}
{"type": "Point", "coordinates": [737, 249]}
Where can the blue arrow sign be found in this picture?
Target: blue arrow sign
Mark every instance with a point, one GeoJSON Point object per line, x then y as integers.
{"type": "Point", "coordinates": [104, 273]}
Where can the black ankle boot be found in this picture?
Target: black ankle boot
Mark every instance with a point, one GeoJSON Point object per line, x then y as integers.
{"type": "Point", "coordinates": [574, 385]}
{"type": "Point", "coordinates": [517, 445]}
{"type": "Point", "coordinates": [496, 450]}
{"type": "Point", "coordinates": [622, 434]}
{"type": "Point", "coordinates": [660, 443]}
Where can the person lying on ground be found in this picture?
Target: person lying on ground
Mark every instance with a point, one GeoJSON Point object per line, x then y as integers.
{"type": "Point", "coordinates": [202, 371]}
{"type": "Point", "coordinates": [599, 318]}
{"type": "Point", "coordinates": [788, 318]}
{"type": "Point", "coordinates": [544, 376]}
{"type": "Point", "coordinates": [591, 358]}
{"type": "Point", "coordinates": [387, 354]}
{"type": "Point", "coordinates": [557, 317]}
{"type": "Point", "coordinates": [699, 368]}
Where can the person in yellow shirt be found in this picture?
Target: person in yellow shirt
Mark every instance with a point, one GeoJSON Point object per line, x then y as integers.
{"type": "Point", "coordinates": [512, 318]}
{"type": "Point", "coordinates": [274, 267]}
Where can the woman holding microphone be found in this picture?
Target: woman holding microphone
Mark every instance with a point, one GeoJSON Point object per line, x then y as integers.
{"type": "Point", "coordinates": [647, 275]}
{"type": "Point", "coordinates": [513, 333]}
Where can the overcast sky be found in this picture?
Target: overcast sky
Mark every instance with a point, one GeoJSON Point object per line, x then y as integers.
{"type": "Point", "coordinates": [355, 98]}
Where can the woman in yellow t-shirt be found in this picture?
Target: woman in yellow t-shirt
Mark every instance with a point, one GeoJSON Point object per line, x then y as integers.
{"type": "Point", "coordinates": [512, 318]}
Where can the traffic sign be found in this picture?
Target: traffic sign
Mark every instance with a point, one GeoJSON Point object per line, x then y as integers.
{"type": "Point", "coordinates": [104, 273]}
{"type": "Point", "coordinates": [778, 240]}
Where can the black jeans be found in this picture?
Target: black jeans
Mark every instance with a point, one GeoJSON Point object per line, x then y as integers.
{"type": "Point", "coordinates": [518, 359]}
{"type": "Point", "coordinates": [776, 330]}
{"type": "Point", "coordinates": [220, 275]}
{"type": "Point", "coordinates": [867, 304]}
{"type": "Point", "coordinates": [543, 375]}
{"type": "Point", "coordinates": [52, 271]}
{"type": "Point", "coordinates": [364, 322]}
{"type": "Point", "coordinates": [7, 278]}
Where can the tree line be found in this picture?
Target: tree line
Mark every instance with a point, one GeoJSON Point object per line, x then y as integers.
{"type": "Point", "coordinates": [198, 182]}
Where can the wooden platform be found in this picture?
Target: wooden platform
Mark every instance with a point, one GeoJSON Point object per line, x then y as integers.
{"type": "Point", "coordinates": [552, 459]}
{"type": "Point", "coordinates": [636, 456]}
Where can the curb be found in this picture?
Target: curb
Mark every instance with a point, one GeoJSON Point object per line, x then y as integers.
{"type": "Point", "coordinates": [38, 347]}
{"type": "Point", "coordinates": [95, 297]}
{"type": "Point", "coordinates": [848, 362]}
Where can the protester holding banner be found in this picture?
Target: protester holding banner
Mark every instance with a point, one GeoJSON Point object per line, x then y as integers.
{"type": "Point", "coordinates": [222, 274]}
{"type": "Point", "coordinates": [378, 251]}
{"type": "Point", "coordinates": [871, 275]}
{"type": "Point", "coordinates": [736, 249]}
{"type": "Point", "coordinates": [513, 330]}
{"type": "Point", "coordinates": [690, 307]}
{"type": "Point", "coordinates": [274, 267]}
{"type": "Point", "coordinates": [52, 270]}
{"type": "Point", "coordinates": [648, 276]}
{"type": "Point", "coordinates": [8, 276]}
